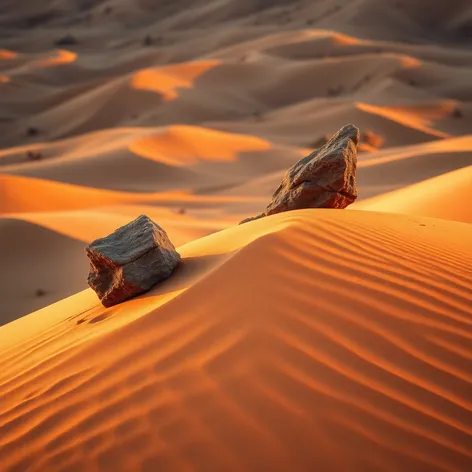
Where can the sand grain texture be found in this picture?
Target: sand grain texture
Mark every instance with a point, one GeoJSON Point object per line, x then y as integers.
{"type": "Point", "coordinates": [327, 340]}
{"type": "Point", "coordinates": [345, 347]}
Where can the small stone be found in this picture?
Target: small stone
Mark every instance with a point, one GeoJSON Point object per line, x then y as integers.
{"type": "Point", "coordinates": [257, 115]}
{"type": "Point", "coordinates": [32, 131]}
{"type": "Point", "coordinates": [335, 91]}
{"type": "Point", "coordinates": [148, 41]}
{"type": "Point", "coordinates": [34, 156]}
{"type": "Point", "coordinates": [67, 40]}
{"type": "Point", "coordinates": [130, 261]}
{"type": "Point", "coordinates": [326, 178]}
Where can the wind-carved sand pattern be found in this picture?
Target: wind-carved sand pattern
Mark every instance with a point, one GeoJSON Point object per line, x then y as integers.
{"type": "Point", "coordinates": [315, 340]}
{"type": "Point", "coordinates": [347, 346]}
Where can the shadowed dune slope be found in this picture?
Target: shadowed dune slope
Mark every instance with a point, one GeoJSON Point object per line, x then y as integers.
{"type": "Point", "coordinates": [310, 340]}
{"type": "Point", "coordinates": [25, 251]}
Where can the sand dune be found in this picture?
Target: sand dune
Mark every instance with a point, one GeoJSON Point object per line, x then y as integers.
{"type": "Point", "coordinates": [22, 194]}
{"type": "Point", "coordinates": [440, 197]}
{"type": "Point", "coordinates": [247, 87]}
{"type": "Point", "coordinates": [26, 287]}
{"type": "Point", "coordinates": [150, 159]}
{"type": "Point", "coordinates": [314, 340]}
{"type": "Point", "coordinates": [345, 346]}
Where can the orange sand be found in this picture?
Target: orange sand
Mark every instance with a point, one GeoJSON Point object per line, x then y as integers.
{"type": "Point", "coordinates": [167, 80]}
{"type": "Point", "coordinates": [316, 340]}
{"type": "Point", "coordinates": [445, 196]}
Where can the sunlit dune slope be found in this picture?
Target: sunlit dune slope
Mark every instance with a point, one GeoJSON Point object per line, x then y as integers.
{"type": "Point", "coordinates": [309, 340]}
{"type": "Point", "coordinates": [89, 224]}
{"type": "Point", "coordinates": [24, 194]}
{"type": "Point", "coordinates": [6, 55]}
{"type": "Point", "coordinates": [168, 80]}
{"type": "Point", "coordinates": [149, 159]}
{"type": "Point", "coordinates": [447, 196]}
{"type": "Point", "coordinates": [187, 145]}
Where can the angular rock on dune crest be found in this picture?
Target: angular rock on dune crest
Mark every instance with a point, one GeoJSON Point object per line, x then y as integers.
{"type": "Point", "coordinates": [326, 178]}
{"type": "Point", "coordinates": [130, 261]}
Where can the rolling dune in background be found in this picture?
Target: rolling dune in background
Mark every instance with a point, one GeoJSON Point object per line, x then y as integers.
{"type": "Point", "coordinates": [314, 340]}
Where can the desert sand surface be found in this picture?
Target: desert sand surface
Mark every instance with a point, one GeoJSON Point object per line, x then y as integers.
{"type": "Point", "coordinates": [314, 340]}
{"type": "Point", "coordinates": [307, 340]}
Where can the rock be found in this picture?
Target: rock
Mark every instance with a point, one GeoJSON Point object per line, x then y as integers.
{"type": "Point", "coordinates": [326, 178]}
{"type": "Point", "coordinates": [147, 41]}
{"type": "Point", "coordinates": [67, 40]}
{"type": "Point", "coordinates": [32, 131]}
{"type": "Point", "coordinates": [335, 91]}
{"type": "Point", "coordinates": [34, 156]}
{"type": "Point", "coordinates": [130, 261]}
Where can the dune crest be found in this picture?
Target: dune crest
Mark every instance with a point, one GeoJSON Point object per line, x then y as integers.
{"type": "Point", "coordinates": [439, 197]}
{"type": "Point", "coordinates": [167, 80]}
{"type": "Point", "coordinates": [62, 57]}
{"type": "Point", "coordinates": [5, 54]}
{"type": "Point", "coordinates": [185, 145]}
{"type": "Point", "coordinates": [371, 345]}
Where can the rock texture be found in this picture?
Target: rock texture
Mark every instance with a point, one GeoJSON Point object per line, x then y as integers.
{"type": "Point", "coordinates": [326, 178]}
{"type": "Point", "coordinates": [130, 261]}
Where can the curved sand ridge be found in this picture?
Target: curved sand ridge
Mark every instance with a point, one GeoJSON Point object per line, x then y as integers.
{"type": "Point", "coordinates": [167, 80]}
{"type": "Point", "coordinates": [316, 339]}
{"type": "Point", "coordinates": [6, 55]}
{"type": "Point", "coordinates": [143, 159]}
{"type": "Point", "coordinates": [17, 195]}
{"type": "Point", "coordinates": [62, 56]}
{"type": "Point", "coordinates": [445, 196]}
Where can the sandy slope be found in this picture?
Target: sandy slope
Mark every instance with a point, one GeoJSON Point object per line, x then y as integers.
{"type": "Point", "coordinates": [444, 196]}
{"type": "Point", "coordinates": [312, 340]}
{"type": "Point", "coordinates": [316, 340]}
{"type": "Point", "coordinates": [56, 240]}
{"type": "Point", "coordinates": [206, 122]}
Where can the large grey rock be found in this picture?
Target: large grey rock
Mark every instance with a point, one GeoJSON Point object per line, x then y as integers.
{"type": "Point", "coordinates": [130, 261]}
{"type": "Point", "coordinates": [326, 178]}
